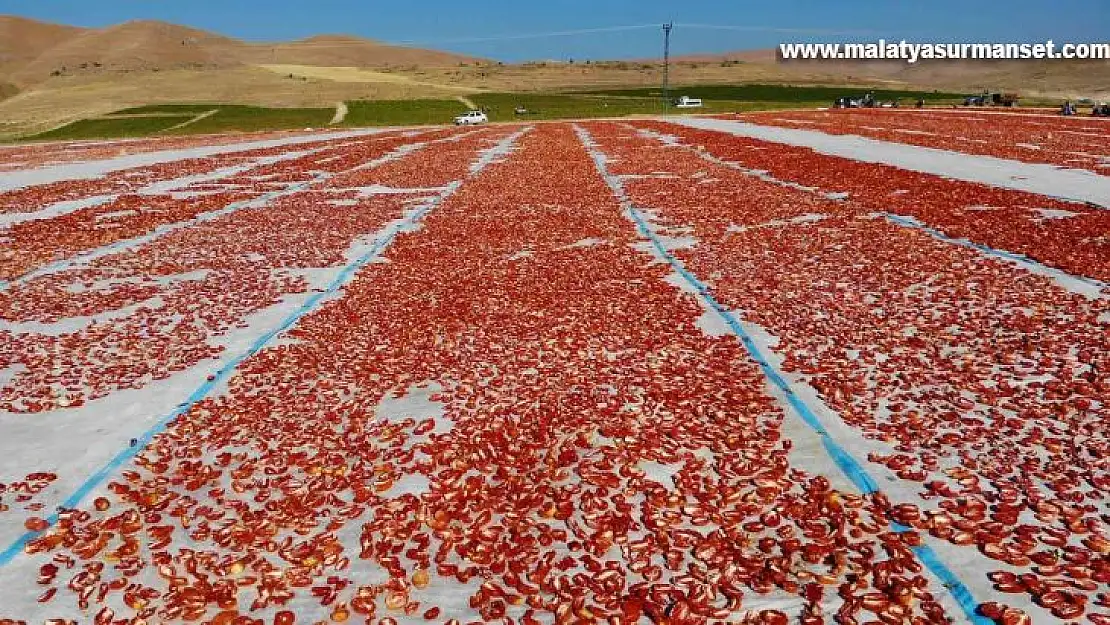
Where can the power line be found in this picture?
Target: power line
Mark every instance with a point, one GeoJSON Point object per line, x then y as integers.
{"type": "Point", "coordinates": [556, 33]}
{"type": "Point", "coordinates": [575, 32]}
{"type": "Point", "coordinates": [666, 65]}
{"type": "Point", "coordinates": [612, 29]}
{"type": "Point", "coordinates": [772, 29]}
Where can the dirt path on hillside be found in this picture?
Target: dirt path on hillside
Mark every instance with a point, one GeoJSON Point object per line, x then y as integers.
{"type": "Point", "coordinates": [194, 120]}
{"type": "Point", "coordinates": [341, 111]}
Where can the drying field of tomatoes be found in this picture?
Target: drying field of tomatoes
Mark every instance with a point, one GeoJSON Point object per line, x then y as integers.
{"type": "Point", "coordinates": [27, 156]}
{"type": "Point", "coordinates": [1079, 142]}
{"type": "Point", "coordinates": [1068, 235]}
{"type": "Point", "coordinates": [568, 373]}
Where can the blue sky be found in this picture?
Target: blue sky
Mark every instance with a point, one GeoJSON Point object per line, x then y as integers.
{"type": "Point", "coordinates": [455, 24]}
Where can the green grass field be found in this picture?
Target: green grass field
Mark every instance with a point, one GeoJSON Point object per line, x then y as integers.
{"type": "Point", "coordinates": [182, 109]}
{"type": "Point", "coordinates": [402, 112]}
{"type": "Point", "coordinates": [111, 128]}
{"type": "Point", "coordinates": [502, 106]}
{"type": "Point", "coordinates": [159, 119]}
{"type": "Point", "coordinates": [238, 118]}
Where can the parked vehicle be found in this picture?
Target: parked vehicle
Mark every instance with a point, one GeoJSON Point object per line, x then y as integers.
{"type": "Point", "coordinates": [471, 118]}
{"type": "Point", "coordinates": [686, 102]}
{"type": "Point", "coordinates": [992, 99]}
{"type": "Point", "coordinates": [846, 103]}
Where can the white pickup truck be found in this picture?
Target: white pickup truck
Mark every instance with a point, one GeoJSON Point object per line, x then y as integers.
{"type": "Point", "coordinates": [686, 102]}
{"type": "Point", "coordinates": [471, 118]}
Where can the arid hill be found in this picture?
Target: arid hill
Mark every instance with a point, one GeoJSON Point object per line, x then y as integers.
{"type": "Point", "coordinates": [133, 46]}
{"type": "Point", "coordinates": [22, 40]}
{"type": "Point", "coordinates": [52, 74]}
{"type": "Point", "coordinates": [347, 51]}
{"type": "Point", "coordinates": [32, 52]}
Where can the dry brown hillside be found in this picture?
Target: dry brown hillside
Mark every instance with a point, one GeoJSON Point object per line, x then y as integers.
{"type": "Point", "coordinates": [52, 74]}
{"type": "Point", "coordinates": [133, 46]}
{"type": "Point", "coordinates": [33, 52]}
{"type": "Point", "coordinates": [346, 51]}
{"type": "Point", "coordinates": [22, 39]}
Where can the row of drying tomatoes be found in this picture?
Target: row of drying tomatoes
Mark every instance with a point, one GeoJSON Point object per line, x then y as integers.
{"type": "Point", "coordinates": [515, 419]}
{"type": "Point", "coordinates": [986, 385]}
{"type": "Point", "coordinates": [138, 316]}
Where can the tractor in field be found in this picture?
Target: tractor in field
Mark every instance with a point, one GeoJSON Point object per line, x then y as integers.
{"type": "Point", "coordinates": [992, 99]}
{"type": "Point", "coordinates": [866, 101]}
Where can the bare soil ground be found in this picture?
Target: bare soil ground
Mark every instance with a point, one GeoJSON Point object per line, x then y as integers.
{"type": "Point", "coordinates": [64, 100]}
{"type": "Point", "coordinates": [63, 73]}
{"type": "Point", "coordinates": [360, 75]}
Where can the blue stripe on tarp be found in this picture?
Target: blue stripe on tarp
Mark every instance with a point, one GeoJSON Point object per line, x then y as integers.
{"type": "Point", "coordinates": [96, 479]}
{"type": "Point", "coordinates": [910, 222]}
{"type": "Point", "coordinates": [843, 459]}
{"type": "Point", "coordinates": [344, 276]}
{"type": "Point", "coordinates": [158, 232]}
